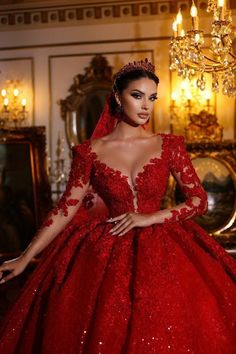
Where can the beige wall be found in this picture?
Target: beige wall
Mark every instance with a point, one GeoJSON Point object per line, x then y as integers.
{"type": "Point", "coordinates": [47, 59]}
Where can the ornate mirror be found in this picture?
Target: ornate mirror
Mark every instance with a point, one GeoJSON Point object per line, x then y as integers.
{"type": "Point", "coordinates": [82, 107]}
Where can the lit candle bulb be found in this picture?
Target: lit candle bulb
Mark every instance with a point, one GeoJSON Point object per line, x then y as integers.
{"type": "Point", "coordinates": [193, 13]}
{"type": "Point", "coordinates": [174, 27]}
{"type": "Point", "coordinates": [179, 21]}
{"type": "Point", "coordinates": [6, 102]}
{"type": "Point", "coordinates": [208, 95]}
{"type": "Point", "coordinates": [208, 98]}
{"type": "Point", "coordinates": [189, 96]}
{"type": "Point", "coordinates": [182, 34]}
{"type": "Point", "coordinates": [23, 102]}
{"type": "Point", "coordinates": [221, 4]}
{"type": "Point", "coordinates": [184, 85]}
{"type": "Point", "coordinates": [15, 92]}
{"type": "Point", "coordinates": [3, 92]}
{"type": "Point", "coordinates": [197, 37]}
{"type": "Point", "coordinates": [173, 98]}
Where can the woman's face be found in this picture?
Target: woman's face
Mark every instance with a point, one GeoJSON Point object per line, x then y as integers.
{"type": "Point", "coordinates": [137, 100]}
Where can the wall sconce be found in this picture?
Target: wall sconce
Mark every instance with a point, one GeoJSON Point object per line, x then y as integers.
{"type": "Point", "coordinates": [13, 111]}
{"type": "Point", "coordinates": [187, 99]}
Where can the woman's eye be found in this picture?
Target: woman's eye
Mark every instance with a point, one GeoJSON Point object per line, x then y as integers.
{"type": "Point", "coordinates": [153, 98]}
{"type": "Point", "coordinates": [136, 95]}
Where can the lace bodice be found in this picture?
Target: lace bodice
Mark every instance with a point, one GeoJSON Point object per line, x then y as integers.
{"type": "Point", "coordinates": [147, 191]}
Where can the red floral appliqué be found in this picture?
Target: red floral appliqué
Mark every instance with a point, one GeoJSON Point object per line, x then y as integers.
{"type": "Point", "coordinates": [78, 177]}
{"type": "Point", "coordinates": [182, 169]}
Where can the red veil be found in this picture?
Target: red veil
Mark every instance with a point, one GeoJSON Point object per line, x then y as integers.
{"type": "Point", "coordinates": [106, 122]}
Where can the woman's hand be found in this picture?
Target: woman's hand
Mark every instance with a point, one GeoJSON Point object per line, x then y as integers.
{"type": "Point", "coordinates": [127, 221]}
{"type": "Point", "coordinates": [12, 268]}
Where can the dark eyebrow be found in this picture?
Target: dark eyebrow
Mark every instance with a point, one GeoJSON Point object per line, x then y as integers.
{"type": "Point", "coordinates": [152, 94]}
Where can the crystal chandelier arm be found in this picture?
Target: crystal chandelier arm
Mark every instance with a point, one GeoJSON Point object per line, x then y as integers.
{"type": "Point", "coordinates": [190, 59]}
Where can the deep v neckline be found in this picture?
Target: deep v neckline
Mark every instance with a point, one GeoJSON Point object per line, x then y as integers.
{"type": "Point", "coordinates": [150, 161]}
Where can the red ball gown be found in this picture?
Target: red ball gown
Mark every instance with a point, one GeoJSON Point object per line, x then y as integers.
{"type": "Point", "coordinates": [166, 288]}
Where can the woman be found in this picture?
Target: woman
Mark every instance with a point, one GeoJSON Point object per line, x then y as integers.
{"type": "Point", "coordinates": [137, 280]}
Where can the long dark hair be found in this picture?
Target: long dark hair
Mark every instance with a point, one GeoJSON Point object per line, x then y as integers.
{"type": "Point", "coordinates": [123, 81]}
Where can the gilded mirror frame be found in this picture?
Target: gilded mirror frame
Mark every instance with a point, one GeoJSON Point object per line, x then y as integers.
{"type": "Point", "coordinates": [81, 109]}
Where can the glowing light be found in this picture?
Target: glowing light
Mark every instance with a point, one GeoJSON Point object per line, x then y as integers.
{"type": "Point", "coordinates": [174, 96]}
{"type": "Point", "coordinates": [193, 10]}
{"type": "Point", "coordinates": [174, 26]}
{"type": "Point", "coordinates": [207, 95]}
{"type": "Point", "coordinates": [188, 95]}
{"type": "Point", "coordinates": [179, 18]}
{"type": "Point", "coordinates": [23, 102]}
{"type": "Point", "coordinates": [6, 102]}
{"type": "Point", "coordinates": [221, 3]}
{"type": "Point", "coordinates": [3, 92]}
{"type": "Point", "coordinates": [16, 92]}
{"type": "Point", "coordinates": [197, 37]}
{"type": "Point", "coordinates": [184, 85]}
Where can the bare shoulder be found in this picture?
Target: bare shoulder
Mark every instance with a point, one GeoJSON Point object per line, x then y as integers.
{"type": "Point", "coordinates": [100, 143]}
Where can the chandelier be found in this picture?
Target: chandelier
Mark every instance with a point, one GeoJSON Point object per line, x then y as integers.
{"type": "Point", "coordinates": [13, 111]}
{"type": "Point", "coordinates": [190, 57]}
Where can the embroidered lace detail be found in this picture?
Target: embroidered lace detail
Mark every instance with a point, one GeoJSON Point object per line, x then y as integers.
{"type": "Point", "coordinates": [96, 293]}
{"type": "Point", "coordinates": [121, 196]}
{"type": "Point", "coordinates": [78, 178]}
{"type": "Point", "coordinates": [182, 169]}
{"type": "Point", "coordinates": [113, 187]}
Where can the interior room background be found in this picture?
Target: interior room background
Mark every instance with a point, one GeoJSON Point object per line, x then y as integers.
{"type": "Point", "coordinates": [44, 44]}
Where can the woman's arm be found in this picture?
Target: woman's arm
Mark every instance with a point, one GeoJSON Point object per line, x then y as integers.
{"type": "Point", "coordinates": [54, 224]}
{"type": "Point", "coordinates": [185, 175]}
{"type": "Point", "coordinates": [196, 198]}
{"type": "Point", "coordinates": [60, 216]}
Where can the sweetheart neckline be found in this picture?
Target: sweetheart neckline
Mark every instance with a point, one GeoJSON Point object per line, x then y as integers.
{"type": "Point", "coordinates": [150, 161]}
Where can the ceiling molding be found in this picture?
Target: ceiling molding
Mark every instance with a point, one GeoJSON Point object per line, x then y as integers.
{"type": "Point", "coordinates": [39, 14]}
{"type": "Point", "coordinates": [44, 13]}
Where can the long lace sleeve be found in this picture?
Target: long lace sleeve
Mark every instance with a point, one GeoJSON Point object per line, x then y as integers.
{"type": "Point", "coordinates": [68, 204]}
{"type": "Point", "coordinates": [184, 173]}
{"type": "Point", "coordinates": [77, 184]}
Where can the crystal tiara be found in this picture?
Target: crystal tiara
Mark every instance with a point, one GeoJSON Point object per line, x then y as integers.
{"type": "Point", "coordinates": [136, 65]}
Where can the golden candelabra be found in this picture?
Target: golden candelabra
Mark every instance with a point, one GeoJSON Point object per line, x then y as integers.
{"type": "Point", "coordinates": [57, 170]}
{"type": "Point", "coordinates": [13, 111]}
{"type": "Point", "coordinates": [188, 99]}
{"type": "Point", "coordinates": [190, 57]}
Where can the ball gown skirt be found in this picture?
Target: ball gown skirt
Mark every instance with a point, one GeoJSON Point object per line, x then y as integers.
{"type": "Point", "coordinates": [165, 288]}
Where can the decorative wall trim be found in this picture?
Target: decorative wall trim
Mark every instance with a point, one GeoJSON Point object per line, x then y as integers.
{"type": "Point", "coordinates": [83, 43]}
{"type": "Point", "coordinates": [36, 16]}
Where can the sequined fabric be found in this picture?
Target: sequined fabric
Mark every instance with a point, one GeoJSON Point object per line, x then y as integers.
{"type": "Point", "coordinates": [166, 288]}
